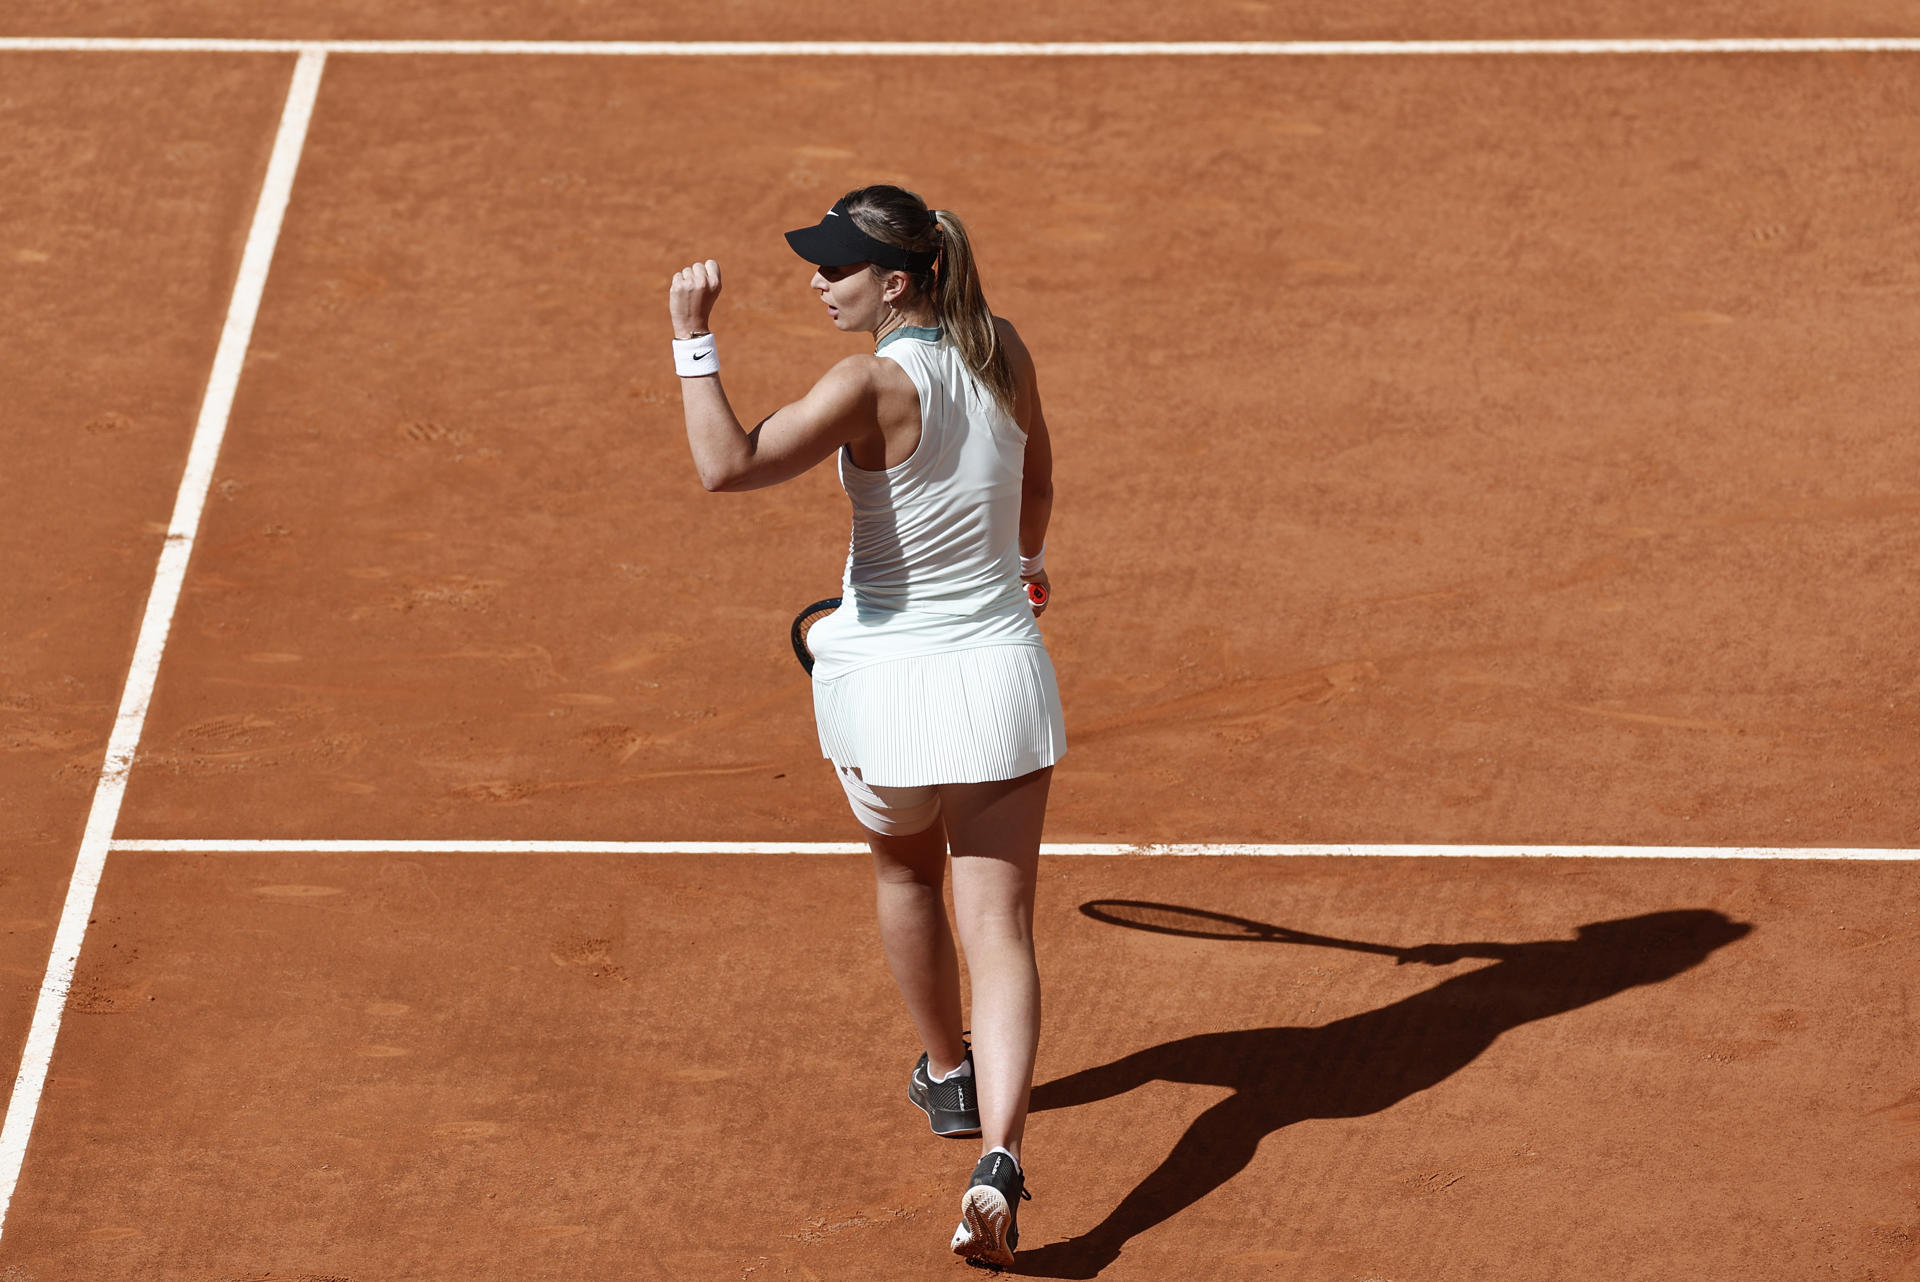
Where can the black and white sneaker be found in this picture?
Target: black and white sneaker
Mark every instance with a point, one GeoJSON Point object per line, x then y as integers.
{"type": "Point", "coordinates": [989, 1230]}
{"type": "Point", "coordinates": [953, 1106]}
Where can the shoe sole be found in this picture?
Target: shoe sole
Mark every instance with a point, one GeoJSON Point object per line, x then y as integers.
{"type": "Point", "coordinates": [933, 1123]}
{"type": "Point", "coordinates": [984, 1222]}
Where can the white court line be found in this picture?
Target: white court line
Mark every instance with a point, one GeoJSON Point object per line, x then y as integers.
{"type": "Point", "coordinates": [171, 571]}
{"type": "Point", "coordinates": [974, 49]}
{"type": "Point", "coordinates": [257, 846]}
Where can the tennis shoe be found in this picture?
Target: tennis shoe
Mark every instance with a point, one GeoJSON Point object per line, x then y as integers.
{"type": "Point", "coordinates": [989, 1210]}
{"type": "Point", "coordinates": [953, 1106]}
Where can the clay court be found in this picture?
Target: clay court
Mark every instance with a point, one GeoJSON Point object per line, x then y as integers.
{"type": "Point", "coordinates": [1486, 508]}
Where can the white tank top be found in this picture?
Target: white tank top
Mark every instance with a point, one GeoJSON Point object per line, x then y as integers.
{"type": "Point", "coordinates": [934, 561]}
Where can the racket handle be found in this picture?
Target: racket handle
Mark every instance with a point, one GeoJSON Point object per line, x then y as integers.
{"type": "Point", "coordinates": [1037, 593]}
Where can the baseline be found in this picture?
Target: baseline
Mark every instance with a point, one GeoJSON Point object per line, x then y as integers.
{"type": "Point", "coordinates": [972, 49]}
{"type": "Point", "coordinates": [169, 575]}
{"type": "Point", "coordinates": [245, 846]}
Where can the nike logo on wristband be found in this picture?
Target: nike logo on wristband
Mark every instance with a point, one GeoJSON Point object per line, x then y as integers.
{"type": "Point", "coordinates": [701, 356]}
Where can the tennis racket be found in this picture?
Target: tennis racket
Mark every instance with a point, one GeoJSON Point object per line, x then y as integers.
{"type": "Point", "coordinates": [803, 624]}
{"type": "Point", "coordinates": [804, 621]}
{"type": "Point", "coordinates": [1198, 923]}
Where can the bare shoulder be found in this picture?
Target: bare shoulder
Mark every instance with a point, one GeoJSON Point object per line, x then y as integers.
{"type": "Point", "coordinates": [1020, 365]}
{"type": "Point", "coordinates": [876, 374]}
{"type": "Point", "coordinates": [1010, 339]}
{"type": "Point", "coordinates": [861, 367]}
{"type": "Point", "coordinates": [855, 377]}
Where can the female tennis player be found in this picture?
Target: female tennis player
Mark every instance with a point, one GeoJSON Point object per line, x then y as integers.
{"type": "Point", "coordinates": [933, 692]}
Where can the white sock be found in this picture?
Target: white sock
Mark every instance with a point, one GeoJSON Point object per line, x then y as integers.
{"type": "Point", "coordinates": [964, 1069]}
{"type": "Point", "coordinates": [1001, 1148]}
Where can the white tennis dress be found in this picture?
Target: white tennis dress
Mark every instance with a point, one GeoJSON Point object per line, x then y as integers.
{"type": "Point", "coordinates": [933, 669]}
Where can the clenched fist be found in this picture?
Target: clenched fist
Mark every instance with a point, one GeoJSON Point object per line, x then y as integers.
{"type": "Point", "coordinates": [692, 296]}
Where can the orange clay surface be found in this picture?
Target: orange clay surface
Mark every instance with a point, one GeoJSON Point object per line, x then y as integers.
{"type": "Point", "coordinates": [1535, 469]}
{"type": "Point", "coordinates": [1450, 451]}
{"type": "Point", "coordinates": [976, 20]}
{"type": "Point", "coordinates": [374, 1067]}
{"type": "Point", "coordinates": [125, 189]}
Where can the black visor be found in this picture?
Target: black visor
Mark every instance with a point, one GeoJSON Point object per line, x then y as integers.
{"type": "Point", "coordinates": [835, 242]}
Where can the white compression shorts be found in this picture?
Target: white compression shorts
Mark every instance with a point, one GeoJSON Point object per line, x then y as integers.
{"type": "Point", "coordinates": [890, 811]}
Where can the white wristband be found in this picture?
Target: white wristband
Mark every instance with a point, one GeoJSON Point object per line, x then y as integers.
{"type": "Point", "coordinates": [695, 357]}
{"type": "Point", "coordinates": [1032, 565]}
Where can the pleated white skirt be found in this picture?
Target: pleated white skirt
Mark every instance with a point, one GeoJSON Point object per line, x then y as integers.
{"type": "Point", "coordinates": [956, 716]}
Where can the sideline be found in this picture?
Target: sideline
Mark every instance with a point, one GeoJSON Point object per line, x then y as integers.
{"type": "Point", "coordinates": [264, 845]}
{"type": "Point", "coordinates": [972, 49]}
{"type": "Point", "coordinates": [168, 575]}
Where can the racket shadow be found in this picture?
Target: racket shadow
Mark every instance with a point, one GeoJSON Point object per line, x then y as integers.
{"type": "Point", "coordinates": [1359, 1065]}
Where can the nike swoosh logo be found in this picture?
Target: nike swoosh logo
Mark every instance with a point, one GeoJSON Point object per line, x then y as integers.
{"type": "Point", "coordinates": [701, 356]}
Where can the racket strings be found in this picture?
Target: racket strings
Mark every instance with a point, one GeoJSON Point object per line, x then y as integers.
{"type": "Point", "coordinates": [808, 620]}
{"type": "Point", "coordinates": [803, 624]}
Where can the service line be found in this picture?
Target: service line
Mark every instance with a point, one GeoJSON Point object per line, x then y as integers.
{"type": "Point", "coordinates": [367, 846]}
{"type": "Point", "coordinates": [975, 49]}
{"type": "Point", "coordinates": [189, 501]}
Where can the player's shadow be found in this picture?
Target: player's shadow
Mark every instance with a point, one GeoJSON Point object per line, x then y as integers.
{"type": "Point", "coordinates": [1362, 1064]}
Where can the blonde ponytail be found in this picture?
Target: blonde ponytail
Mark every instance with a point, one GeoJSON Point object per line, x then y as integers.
{"type": "Point", "coordinates": [899, 217]}
{"type": "Point", "coordinates": [964, 313]}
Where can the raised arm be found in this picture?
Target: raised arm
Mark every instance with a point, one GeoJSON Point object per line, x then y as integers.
{"type": "Point", "coordinates": [840, 408]}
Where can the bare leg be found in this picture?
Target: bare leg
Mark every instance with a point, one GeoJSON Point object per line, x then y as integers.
{"type": "Point", "coordinates": [909, 895]}
{"type": "Point", "coordinates": [994, 830]}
